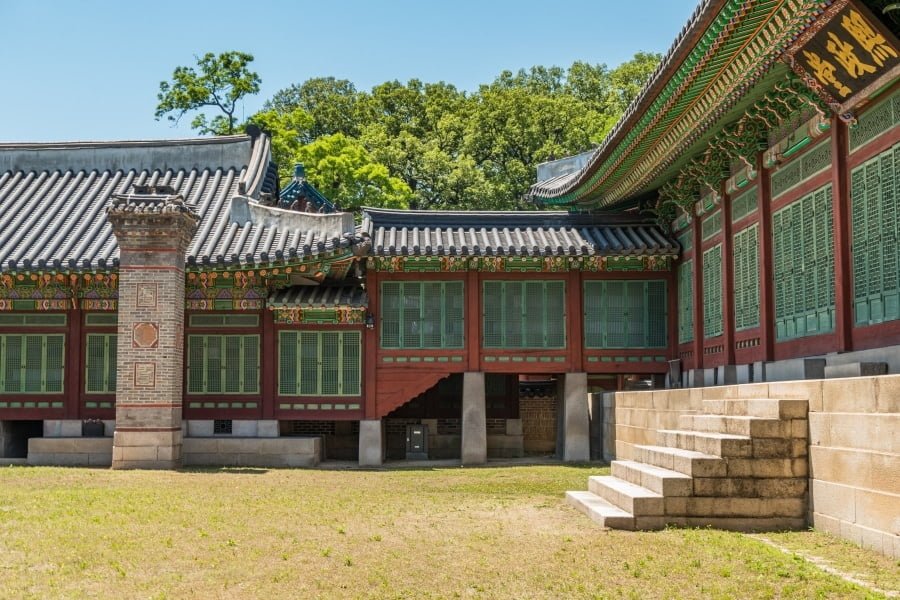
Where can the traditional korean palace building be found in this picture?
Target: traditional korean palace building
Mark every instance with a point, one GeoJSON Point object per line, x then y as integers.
{"type": "Point", "coordinates": [169, 302]}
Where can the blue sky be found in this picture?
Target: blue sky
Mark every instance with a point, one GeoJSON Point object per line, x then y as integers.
{"type": "Point", "coordinates": [90, 69]}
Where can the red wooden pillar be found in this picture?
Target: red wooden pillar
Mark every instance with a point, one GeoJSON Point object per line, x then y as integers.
{"type": "Point", "coordinates": [727, 279]}
{"type": "Point", "coordinates": [698, 289]}
{"type": "Point", "coordinates": [574, 318]}
{"type": "Point", "coordinates": [270, 356]}
{"type": "Point", "coordinates": [843, 268]}
{"type": "Point", "coordinates": [766, 267]}
{"type": "Point", "coordinates": [370, 358]}
{"type": "Point", "coordinates": [473, 321]}
{"type": "Point", "coordinates": [672, 308]}
{"type": "Point", "coordinates": [74, 367]}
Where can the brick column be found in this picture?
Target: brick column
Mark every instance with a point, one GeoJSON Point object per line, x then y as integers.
{"type": "Point", "coordinates": [153, 228]}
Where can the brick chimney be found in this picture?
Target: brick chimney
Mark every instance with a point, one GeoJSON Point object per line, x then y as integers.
{"type": "Point", "coordinates": [154, 227]}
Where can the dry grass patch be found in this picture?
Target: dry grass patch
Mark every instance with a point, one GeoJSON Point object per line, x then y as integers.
{"type": "Point", "coordinates": [489, 532]}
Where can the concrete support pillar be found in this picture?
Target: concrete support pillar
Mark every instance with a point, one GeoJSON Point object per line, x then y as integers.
{"type": "Point", "coordinates": [474, 420]}
{"type": "Point", "coordinates": [154, 228]}
{"type": "Point", "coordinates": [576, 443]}
{"type": "Point", "coordinates": [371, 443]}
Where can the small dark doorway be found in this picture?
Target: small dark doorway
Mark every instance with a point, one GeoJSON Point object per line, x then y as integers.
{"type": "Point", "coordinates": [14, 436]}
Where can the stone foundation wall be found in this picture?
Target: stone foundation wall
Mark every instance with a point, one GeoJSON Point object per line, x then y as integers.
{"type": "Point", "coordinates": [855, 461]}
{"type": "Point", "coordinates": [71, 452]}
{"type": "Point", "coordinates": [252, 452]}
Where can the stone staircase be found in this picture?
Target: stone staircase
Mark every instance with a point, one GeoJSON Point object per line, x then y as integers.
{"type": "Point", "coordinates": [740, 464]}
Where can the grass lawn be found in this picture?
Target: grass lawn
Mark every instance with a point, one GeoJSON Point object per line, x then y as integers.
{"type": "Point", "coordinates": [451, 532]}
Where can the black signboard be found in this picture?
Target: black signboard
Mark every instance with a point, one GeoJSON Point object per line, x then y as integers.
{"type": "Point", "coordinates": [845, 56]}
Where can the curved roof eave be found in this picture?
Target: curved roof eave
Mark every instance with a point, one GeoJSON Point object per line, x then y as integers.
{"type": "Point", "coordinates": [714, 62]}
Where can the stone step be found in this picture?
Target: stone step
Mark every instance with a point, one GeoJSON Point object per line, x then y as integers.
{"type": "Point", "coordinates": [702, 507]}
{"type": "Point", "coordinates": [600, 511]}
{"type": "Point", "coordinates": [856, 369]}
{"type": "Point", "coordinates": [767, 408]}
{"type": "Point", "coordinates": [689, 462]}
{"type": "Point", "coordinates": [634, 499]}
{"type": "Point", "coordinates": [716, 444]}
{"type": "Point", "coordinates": [739, 425]}
{"type": "Point", "coordinates": [749, 487]}
{"type": "Point", "coordinates": [656, 479]}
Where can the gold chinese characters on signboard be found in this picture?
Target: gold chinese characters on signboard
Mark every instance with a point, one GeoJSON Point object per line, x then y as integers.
{"type": "Point", "coordinates": [846, 55]}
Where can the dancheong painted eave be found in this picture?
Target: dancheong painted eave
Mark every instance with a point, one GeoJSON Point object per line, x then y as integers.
{"type": "Point", "coordinates": [501, 233]}
{"type": "Point", "coordinates": [54, 199]}
{"type": "Point", "coordinates": [726, 47]}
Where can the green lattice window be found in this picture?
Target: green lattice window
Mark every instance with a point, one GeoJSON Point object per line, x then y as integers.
{"type": "Point", "coordinates": [875, 121]}
{"type": "Point", "coordinates": [712, 292]}
{"type": "Point", "coordinates": [223, 364]}
{"type": "Point", "coordinates": [875, 201]}
{"type": "Point", "coordinates": [712, 225]}
{"type": "Point", "coordinates": [422, 314]}
{"type": "Point", "coordinates": [319, 363]}
{"type": "Point", "coordinates": [224, 320]}
{"type": "Point", "coordinates": [32, 319]}
{"type": "Point", "coordinates": [797, 171]}
{"type": "Point", "coordinates": [32, 364]}
{"type": "Point", "coordinates": [743, 204]}
{"type": "Point", "coordinates": [100, 363]}
{"type": "Point", "coordinates": [101, 319]}
{"type": "Point", "coordinates": [625, 314]}
{"type": "Point", "coordinates": [746, 278]}
{"type": "Point", "coordinates": [803, 257]}
{"type": "Point", "coordinates": [524, 314]}
{"type": "Point", "coordinates": [686, 301]}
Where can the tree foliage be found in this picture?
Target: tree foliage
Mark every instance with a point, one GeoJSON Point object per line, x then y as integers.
{"type": "Point", "coordinates": [417, 144]}
{"type": "Point", "coordinates": [219, 81]}
{"type": "Point", "coordinates": [342, 169]}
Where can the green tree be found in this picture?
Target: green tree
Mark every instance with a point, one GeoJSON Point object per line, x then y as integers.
{"type": "Point", "coordinates": [433, 146]}
{"type": "Point", "coordinates": [219, 81]}
{"type": "Point", "coordinates": [289, 131]}
{"type": "Point", "coordinates": [332, 104]}
{"type": "Point", "coordinates": [628, 79]}
{"type": "Point", "coordinates": [342, 169]}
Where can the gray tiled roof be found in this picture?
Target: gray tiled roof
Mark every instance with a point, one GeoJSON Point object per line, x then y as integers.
{"type": "Point", "coordinates": [53, 200]}
{"type": "Point", "coordinates": [527, 233]}
{"type": "Point", "coordinates": [319, 296]}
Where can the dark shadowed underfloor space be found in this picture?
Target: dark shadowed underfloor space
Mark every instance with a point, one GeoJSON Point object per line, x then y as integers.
{"type": "Point", "coordinates": [449, 532]}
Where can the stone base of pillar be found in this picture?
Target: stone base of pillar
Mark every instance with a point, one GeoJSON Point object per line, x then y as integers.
{"type": "Point", "coordinates": [576, 446]}
{"type": "Point", "coordinates": [474, 420]}
{"type": "Point", "coordinates": [147, 449]}
{"type": "Point", "coordinates": [371, 443]}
